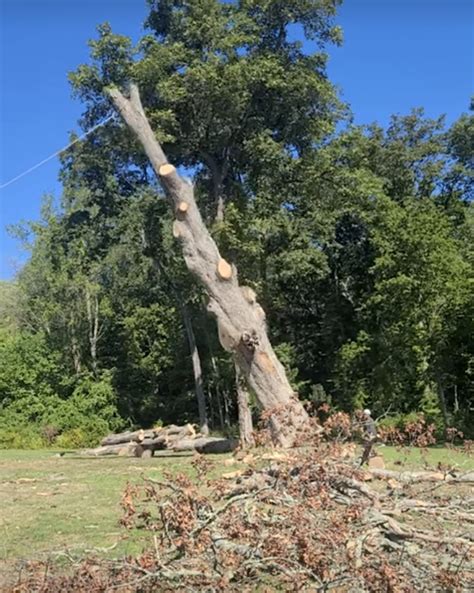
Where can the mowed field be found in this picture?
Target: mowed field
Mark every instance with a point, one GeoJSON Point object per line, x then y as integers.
{"type": "Point", "coordinates": [69, 506]}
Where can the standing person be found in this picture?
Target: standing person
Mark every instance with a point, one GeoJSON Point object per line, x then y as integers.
{"type": "Point", "coordinates": [370, 436]}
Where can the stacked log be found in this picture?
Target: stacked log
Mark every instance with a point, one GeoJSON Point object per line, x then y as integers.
{"type": "Point", "coordinates": [144, 443]}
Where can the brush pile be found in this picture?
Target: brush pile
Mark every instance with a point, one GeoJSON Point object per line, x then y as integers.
{"type": "Point", "coordinates": [304, 521]}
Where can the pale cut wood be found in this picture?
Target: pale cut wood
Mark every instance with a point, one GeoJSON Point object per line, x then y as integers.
{"type": "Point", "coordinates": [172, 438]}
{"type": "Point", "coordinates": [242, 321]}
{"type": "Point", "coordinates": [224, 269]}
{"type": "Point", "coordinates": [119, 449]}
{"type": "Point", "coordinates": [166, 169]}
{"type": "Point", "coordinates": [232, 475]}
{"type": "Point", "coordinates": [126, 437]}
{"type": "Point", "coordinates": [172, 429]}
{"type": "Point", "coordinates": [376, 462]}
{"type": "Point", "coordinates": [183, 207]}
{"type": "Point", "coordinates": [249, 294]}
{"type": "Point", "coordinates": [188, 431]}
{"type": "Point", "coordinates": [151, 433]}
{"type": "Point", "coordinates": [116, 439]}
{"type": "Point", "coordinates": [176, 233]}
{"type": "Point", "coordinates": [181, 431]}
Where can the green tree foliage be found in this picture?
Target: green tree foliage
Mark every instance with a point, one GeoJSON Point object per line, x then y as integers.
{"type": "Point", "coordinates": [420, 284]}
{"type": "Point", "coordinates": [226, 90]}
{"type": "Point", "coordinates": [38, 403]}
{"type": "Point", "coordinates": [357, 240]}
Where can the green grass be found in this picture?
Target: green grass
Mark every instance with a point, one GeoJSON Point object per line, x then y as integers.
{"type": "Point", "coordinates": [50, 505]}
{"type": "Point", "coordinates": [411, 458]}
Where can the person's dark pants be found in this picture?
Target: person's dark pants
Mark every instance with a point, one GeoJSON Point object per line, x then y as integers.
{"type": "Point", "coordinates": [368, 450]}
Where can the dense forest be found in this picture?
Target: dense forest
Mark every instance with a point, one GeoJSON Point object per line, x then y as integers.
{"type": "Point", "coordinates": [357, 240]}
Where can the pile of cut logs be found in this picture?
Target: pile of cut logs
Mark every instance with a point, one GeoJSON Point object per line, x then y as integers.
{"type": "Point", "coordinates": [144, 443]}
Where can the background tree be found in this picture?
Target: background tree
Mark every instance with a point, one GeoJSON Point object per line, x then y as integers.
{"type": "Point", "coordinates": [357, 240]}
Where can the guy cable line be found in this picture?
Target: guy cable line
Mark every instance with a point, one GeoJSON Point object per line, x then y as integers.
{"type": "Point", "coordinates": [57, 153]}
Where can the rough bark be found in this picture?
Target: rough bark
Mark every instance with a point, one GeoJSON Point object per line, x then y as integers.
{"type": "Point", "coordinates": [156, 443]}
{"type": "Point", "coordinates": [219, 397]}
{"type": "Point", "coordinates": [127, 437]}
{"type": "Point", "coordinates": [205, 445]}
{"type": "Point", "coordinates": [195, 358]}
{"type": "Point", "coordinates": [197, 370]}
{"type": "Point", "coordinates": [141, 443]}
{"type": "Point", "coordinates": [75, 345]}
{"type": "Point", "coordinates": [414, 477]}
{"type": "Point", "coordinates": [245, 415]}
{"type": "Point", "coordinates": [443, 406]}
{"type": "Point", "coordinates": [76, 355]}
{"type": "Point", "coordinates": [121, 449]}
{"type": "Point", "coordinates": [218, 172]}
{"type": "Point", "coordinates": [456, 400]}
{"type": "Point", "coordinates": [220, 209]}
{"type": "Point", "coordinates": [239, 320]}
{"type": "Point", "coordinates": [92, 308]}
{"type": "Point", "coordinates": [215, 392]}
{"type": "Point", "coordinates": [140, 436]}
{"type": "Point", "coordinates": [183, 431]}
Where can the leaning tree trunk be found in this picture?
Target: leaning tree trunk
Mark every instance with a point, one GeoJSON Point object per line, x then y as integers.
{"type": "Point", "coordinates": [241, 322]}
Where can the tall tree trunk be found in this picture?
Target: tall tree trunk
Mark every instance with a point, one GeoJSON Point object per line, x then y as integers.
{"type": "Point", "coordinates": [215, 381]}
{"type": "Point", "coordinates": [210, 398]}
{"type": "Point", "coordinates": [220, 209]}
{"type": "Point", "coordinates": [221, 413]}
{"type": "Point", "coordinates": [92, 307]}
{"type": "Point", "coordinates": [456, 400]}
{"type": "Point", "coordinates": [195, 358]}
{"type": "Point", "coordinates": [217, 392]}
{"type": "Point", "coordinates": [75, 345]}
{"type": "Point", "coordinates": [245, 415]}
{"type": "Point", "coordinates": [444, 408]}
{"type": "Point", "coordinates": [241, 325]}
{"type": "Point", "coordinates": [197, 370]}
{"type": "Point", "coordinates": [227, 403]}
{"type": "Point", "coordinates": [76, 355]}
{"type": "Point", "coordinates": [218, 173]}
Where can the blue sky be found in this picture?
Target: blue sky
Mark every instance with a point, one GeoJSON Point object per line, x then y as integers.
{"type": "Point", "coordinates": [397, 54]}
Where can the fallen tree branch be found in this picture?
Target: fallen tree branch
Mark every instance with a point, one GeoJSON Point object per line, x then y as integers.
{"type": "Point", "coordinates": [412, 477]}
{"type": "Point", "coordinates": [311, 524]}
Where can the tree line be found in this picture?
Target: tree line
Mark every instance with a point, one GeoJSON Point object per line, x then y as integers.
{"type": "Point", "coordinates": [357, 240]}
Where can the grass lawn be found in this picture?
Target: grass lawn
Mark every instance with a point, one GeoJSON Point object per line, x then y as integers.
{"type": "Point", "coordinates": [50, 504]}
{"type": "Point", "coordinates": [418, 459]}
